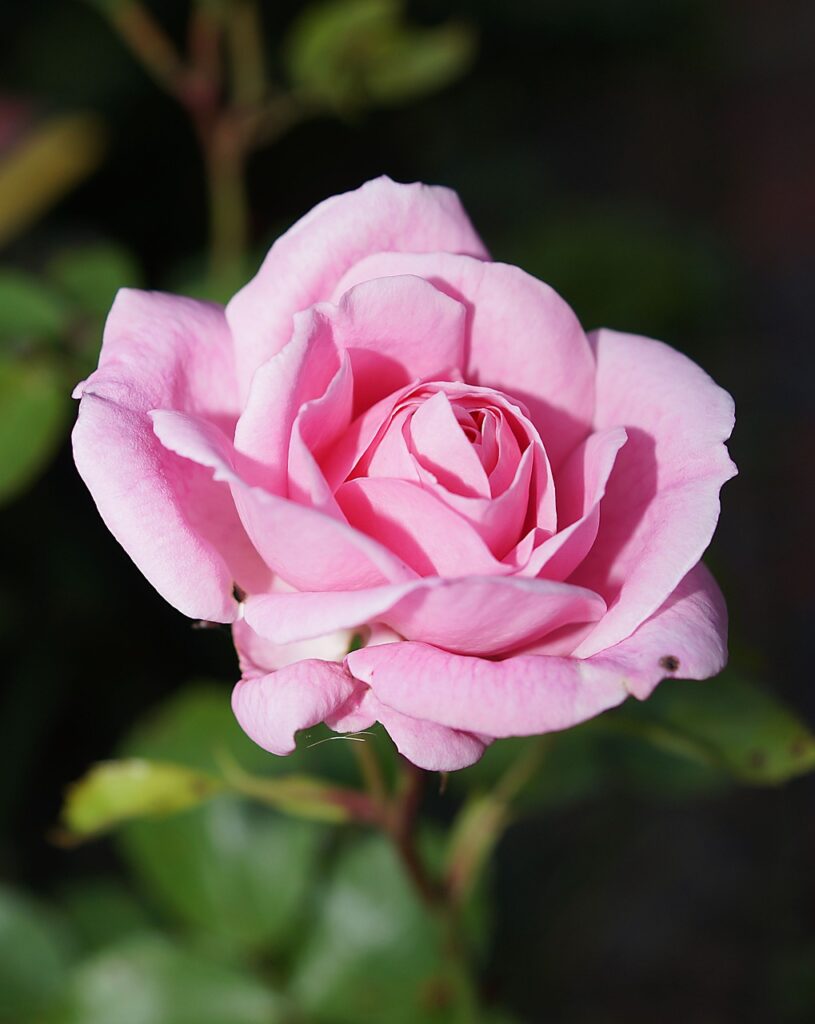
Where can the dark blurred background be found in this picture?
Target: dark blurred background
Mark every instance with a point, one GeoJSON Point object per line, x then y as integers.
{"type": "Point", "coordinates": [656, 164]}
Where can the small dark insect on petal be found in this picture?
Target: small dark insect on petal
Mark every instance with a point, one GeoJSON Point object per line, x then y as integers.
{"type": "Point", "coordinates": [670, 663]}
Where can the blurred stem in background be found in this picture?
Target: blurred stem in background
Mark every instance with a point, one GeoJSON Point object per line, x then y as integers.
{"type": "Point", "coordinates": [341, 56]}
{"type": "Point", "coordinates": [223, 86]}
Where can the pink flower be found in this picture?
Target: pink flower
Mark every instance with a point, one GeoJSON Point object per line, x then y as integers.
{"type": "Point", "coordinates": [388, 438]}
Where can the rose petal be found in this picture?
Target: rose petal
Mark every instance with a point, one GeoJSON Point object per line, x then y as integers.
{"type": "Point", "coordinates": [498, 521]}
{"type": "Point", "coordinates": [272, 708]}
{"type": "Point", "coordinates": [316, 428]}
{"type": "Point", "coordinates": [439, 445]}
{"type": "Point", "coordinates": [299, 373]}
{"type": "Point", "coordinates": [416, 527]}
{"type": "Point", "coordinates": [581, 486]}
{"type": "Point", "coordinates": [662, 499]}
{"type": "Point", "coordinates": [529, 694]}
{"type": "Point", "coordinates": [524, 339]}
{"type": "Point", "coordinates": [397, 330]}
{"type": "Point", "coordinates": [426, 744]}
{"type": "Point", "coordinates": [257, 655]}
{"type": "Point", "coordinates": [686, 638]}
{"type": "Point", "coordinates": [178, 526]}
{"type": "Point", "coordinates": [522, 695]}
{"type": "Point", "coordinates": [475, 615]}
{"type": "Point", "coordinates": [308, 549]}
{"type": "Point", "coordinates": [304, 265]}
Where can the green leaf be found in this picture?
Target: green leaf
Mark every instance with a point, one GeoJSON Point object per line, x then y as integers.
{"type": "Point", "coordinates": [415, 63]}
{"type": "Point", "coordinates": [90, 275]}
{"type": "Point", "coordinates": [148, 980]}
{"type": "Point", "coordinates": [29, 310]}
{"type": "Point", "coordinates": [238, 872]}
{"type": "Point", "coordinates": [728, 723]}
{"type": "Point", "coordinates": [34, 957]}
{"type": "Point", "coordinates": [33, 413]}
{"type": "Point", "coordinates": [374, 953]}
{"type": "Point", "coordinates": [347, 54]}
{"type": "Point", "coordinates": [102, 911]}
{"type": "Point", "coordinates": [114, 792]}
{"type": "Point", "coordinates": [573, 768]}
{"type": "Point", "coordinates": [195, 727]}
{"type": "Point", "coordinates": [48, 162]}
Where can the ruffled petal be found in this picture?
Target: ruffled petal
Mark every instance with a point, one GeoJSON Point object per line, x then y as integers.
{"type": "Point", "coordinates": [418, 528]}
{"type": "Point", "coordinates": [484, 615]}
{"type": "Point", "coordinates": [530, 694]}
{"type": "Point", "coordinates": [581, 486]}
{"type": "Point", "coordinates": [272, 708]}
{"type": "Point", "coordinates": [305, 547]}
{"type": "Point", "coordinates": [304, 265]}
{"type": "Point", "coordinates": [178, 525]}
{"type": "Point", "coordinates": [397, 330]}
{"type": "Point", "coordinates": [523, 338]}
{"type": "Point", "coordinates": [661, 503]}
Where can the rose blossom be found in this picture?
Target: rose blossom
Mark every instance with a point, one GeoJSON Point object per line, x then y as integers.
{"type": "Point", "coordinates": [387, 439]}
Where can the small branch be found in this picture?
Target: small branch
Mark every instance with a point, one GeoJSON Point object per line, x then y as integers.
{"type": "Point", "coordinates": [371, 773]}
{"type": "Point", "coordinates": [149, 43]}
{"type": "Point", "coordinates": [402, 830]}
{"type": "Point", "coordinates": [483, 821]}
{"type": "Point", "coordinates": [225, 158]}
{"type": "Point", "coordinates": [247, 58]}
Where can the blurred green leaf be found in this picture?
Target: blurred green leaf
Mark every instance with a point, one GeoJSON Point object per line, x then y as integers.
{"type": "Point", "coordinates": [29, 310]}
{"type": "Point", "coordinates": [351, 53]}
{"type": "Point", "coordinates": [34, 957]}
{"type": "Point", "coordinates": [114, 792]}
{"type": "Point", "coordinates": [729, 723]}
{"type": "Point", "coordinates": [90, 275]}
{"type": "Point", "coordinates": [573, 767]}
{"type": "Point", "coordinates": [374, 953]}
{"type": "Point", "coordinates": [50, 161]}
{"type": "Point", "coordinates": [102, 911]}
{"type": "Point", "coordinates": [33, 412]}
{"type": "Point", "coordinates": [195, 727]}
{"type": "Point", "coordinates": [148, 980]}
{"type": "Point", "coordinates": [238, 872]}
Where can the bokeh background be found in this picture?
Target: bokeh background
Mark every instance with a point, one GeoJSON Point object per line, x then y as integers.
{"type": "Point", "coordinates": [656, 164]}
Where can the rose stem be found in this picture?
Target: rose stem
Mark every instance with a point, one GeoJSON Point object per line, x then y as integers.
{"type": "Point", "coordinates": [228, 127]}
{"type": "Point", "coordinates": [401, 826]}
{"type": "Point", "coordinates": [371, 773]}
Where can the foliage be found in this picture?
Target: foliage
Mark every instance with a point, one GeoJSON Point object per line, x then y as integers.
{"type": "Point", "coordinates": [349, 54]}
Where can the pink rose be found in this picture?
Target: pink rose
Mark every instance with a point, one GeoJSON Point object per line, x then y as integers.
{"type": "Point", "coordinates": [387, 440]}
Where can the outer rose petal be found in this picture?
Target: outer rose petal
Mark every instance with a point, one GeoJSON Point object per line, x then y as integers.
{"type": "Point", "coordinates": [272, 708]}
{"type": "Point", "coordinates": [258, 656]}
{"type": "Point", "coordinates": [686, 638]}
{"type": "Point", "coordinates": [662, 499]}
{"type": "Point", "coordinates": [178, 526]}
{"type": "Point", "coordinates": [476, 615]}
{"type": "Point", "coordinates": [305, 547]}
{"type": "Point", "coordinates": [524, 339]}
{"type": "Point", "coordinates": [529, 694]}
{"type": "Point", "coordinates": [426, 744]}
{"type": "Point", "coordinates": [303, 266]}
